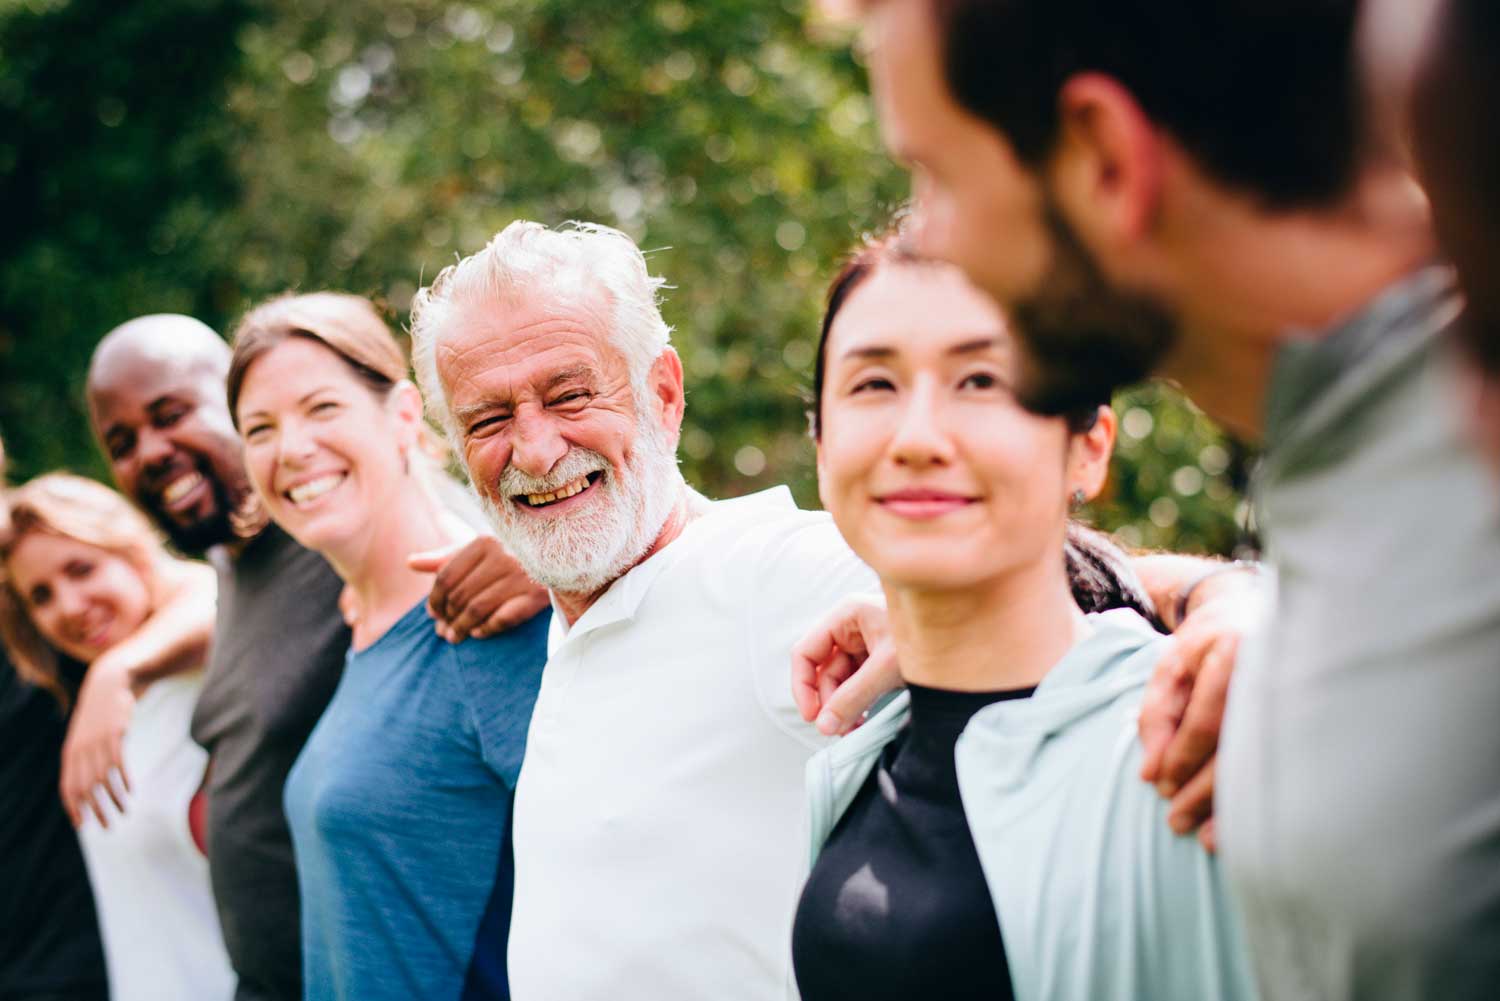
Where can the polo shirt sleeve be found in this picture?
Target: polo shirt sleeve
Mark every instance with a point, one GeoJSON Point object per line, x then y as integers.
{"type": "Point", "coordinates": [802, 572]}
{"type": "Point", "coordinates": [500, 677]}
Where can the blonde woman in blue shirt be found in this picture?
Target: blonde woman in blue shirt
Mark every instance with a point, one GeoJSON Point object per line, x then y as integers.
{"type": "Point", "coordinates": [986, 835]}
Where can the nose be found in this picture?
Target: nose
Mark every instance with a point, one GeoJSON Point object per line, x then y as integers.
{"type": "Point", "coordinates": [71, 602]}
{"type": "Point", "coordinates": [294, 444]}
{"type": "Point", "coordinates": [155, 449]}
{"type": "Point", "coordinates": [921, 438]}
{"type": "Point", "coordinates": [535, 445]}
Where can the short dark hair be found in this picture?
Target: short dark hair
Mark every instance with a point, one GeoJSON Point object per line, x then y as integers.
{"type": "Point", "coordinates": [885, 249]}
{"type": "Point", "coordinates": [1265, 94]}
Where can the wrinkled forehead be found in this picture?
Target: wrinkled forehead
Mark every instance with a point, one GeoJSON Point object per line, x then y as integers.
{"type": "Point", "coordinates": [526, 338]}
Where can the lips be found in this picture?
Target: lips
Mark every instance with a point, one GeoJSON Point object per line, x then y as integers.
{"type": "Point", "coordinates": [923, 504]}
{"type": "Point", "coordinates": [570, 489]}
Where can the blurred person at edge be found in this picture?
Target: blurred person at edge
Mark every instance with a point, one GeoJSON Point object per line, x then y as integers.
{"type": "Point", "coordinates": [986, 835]}
{"type": "Point", "coordinates": [399, 801]}
{"type": "Point", "coordinates": [1194, 190]}
{"type": "Point", "coordinates": [1455, 141]}
{"type": "Point", "coordinates": [49, 932]}
{"type": "Point", "coordinates": [155, 394]}
{"type": "Point", "coordinates": [666, 757]}
{"type": "Point", "coordinates": [82, 571]}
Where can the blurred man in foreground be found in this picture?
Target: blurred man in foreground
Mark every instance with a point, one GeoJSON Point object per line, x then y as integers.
{"type": "Point", "coordinates": [1191, 190]}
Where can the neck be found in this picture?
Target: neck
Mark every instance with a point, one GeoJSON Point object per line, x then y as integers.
{"type": "Point", "coordinates": [688, 506]}
{"type": "Point", "coordinates": [1257, 281]}
{"type": "Point", "coordinates": [374, 566]}
{"type": "Point", "coordinates": [1006, 633]}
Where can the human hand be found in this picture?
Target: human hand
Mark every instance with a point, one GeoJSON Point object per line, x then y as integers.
{"type": "Point", "coordinates": [844, 664]}
{"type": "Point", "coordinates": [91, 752]}
{"type": "Point", "coordinates": [480, 589]}
{"type": "Point", "coordinates": [1183, 710]}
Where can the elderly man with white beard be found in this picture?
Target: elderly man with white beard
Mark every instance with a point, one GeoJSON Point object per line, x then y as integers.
{"type": "Point", "coordinates": [659, 833]}
{"type": "Point", "coordinates": [658, 840]}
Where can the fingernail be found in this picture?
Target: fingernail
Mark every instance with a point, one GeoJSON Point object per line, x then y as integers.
{"type": "Point", "coordinates": [828, 723]}
{"type": "Point", "coordinates": [1178, 823]}
{"type": "Point", "coordinates": [1166, 788]}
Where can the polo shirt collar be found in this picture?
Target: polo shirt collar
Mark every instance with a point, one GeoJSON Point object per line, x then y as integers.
{"type": "Point", "coordinates": [622, 599]}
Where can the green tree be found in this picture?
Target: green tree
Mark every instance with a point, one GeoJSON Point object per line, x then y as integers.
{"type": "Point", "coordinates": [362, 146]}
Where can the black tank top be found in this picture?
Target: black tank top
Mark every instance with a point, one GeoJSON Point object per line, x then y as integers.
{"type": "Point", "coordinates": [897, 906]}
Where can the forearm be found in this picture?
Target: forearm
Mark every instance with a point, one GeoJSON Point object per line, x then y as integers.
{"type": "Point", "coordinates": [178, 635]}
{"type": "Point", "coordinates": [1177, 584]}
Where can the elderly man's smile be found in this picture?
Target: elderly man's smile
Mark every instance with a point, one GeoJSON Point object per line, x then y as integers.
{"type": "Point", "coordinates": [555, 498]}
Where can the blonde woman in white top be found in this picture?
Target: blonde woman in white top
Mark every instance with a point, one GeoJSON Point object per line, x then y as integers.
{"type": "Point", "coordinates": [82, 571]}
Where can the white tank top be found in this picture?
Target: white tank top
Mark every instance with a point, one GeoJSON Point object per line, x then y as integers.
{"type": "Point", "coordinates": [156, 910]}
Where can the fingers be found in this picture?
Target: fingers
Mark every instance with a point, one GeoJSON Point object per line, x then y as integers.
{"type": "Point", "coordinates": [432, 560]}
{"type": "Point", "coordinates": [1197, 737]}
{"type": "Point", "coordinates": [845, 707]}
{"type": "Point", "coordinates": [1208, 835]}
{"type": "Point", "coordinates": [512, 613]}
{"type": "Point", "coordinates": [451, 572]}
{"type": "Point", "coordinates": [477, 609]}
{"type": "Point", "coordinates": [1195, 803]}
{"type": "Point", "coordinates": [807, 657]}
{"type": "Point", "coordinates": [92, 802]}
{"type": "Point", "coordinates": [1162, 709]}
{"type": "Point", "coordinates": [815, 652]}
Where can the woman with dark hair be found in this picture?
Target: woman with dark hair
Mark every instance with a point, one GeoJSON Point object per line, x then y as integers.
{"type": "Point", "coordinates": [399, 803]}
{"type": "Point", "coordinates": [986, 834]}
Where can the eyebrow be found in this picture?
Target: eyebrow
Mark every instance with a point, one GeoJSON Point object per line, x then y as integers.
{"type": "Point", "coordinates": [881, 351]}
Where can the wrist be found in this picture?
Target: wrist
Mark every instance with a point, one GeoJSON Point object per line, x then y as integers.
{"type": "Point", "coordinates": [1212, 582]}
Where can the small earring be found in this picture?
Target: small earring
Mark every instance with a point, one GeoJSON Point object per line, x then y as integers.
{"type": "Point", "coordinates": [1078, 498]}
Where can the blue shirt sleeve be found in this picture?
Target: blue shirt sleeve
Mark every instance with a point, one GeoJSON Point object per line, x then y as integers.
{"type": "Point", "coordinates": [501, 676]}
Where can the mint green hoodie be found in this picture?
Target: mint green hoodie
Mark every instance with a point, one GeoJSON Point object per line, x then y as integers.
{"type": "Point", "coordinates": [1097, 899]}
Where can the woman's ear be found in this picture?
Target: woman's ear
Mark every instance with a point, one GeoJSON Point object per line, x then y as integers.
{"type": "Point", "coordinates": [404, 404]}
{"type": "Point", "coordinates": [1089, 453]}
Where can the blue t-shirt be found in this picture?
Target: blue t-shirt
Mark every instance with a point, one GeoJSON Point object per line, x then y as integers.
{"type": "Point", "coordinates": [399, 806]}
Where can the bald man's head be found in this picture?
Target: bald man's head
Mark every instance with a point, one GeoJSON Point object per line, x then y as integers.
{"type": "Point", "coordinates": [156, 402]}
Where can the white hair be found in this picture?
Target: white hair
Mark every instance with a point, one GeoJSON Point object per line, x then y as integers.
{"type": "Point", "coordinates": [575, 261]}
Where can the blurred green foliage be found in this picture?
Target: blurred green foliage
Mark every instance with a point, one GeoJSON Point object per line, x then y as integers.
{"type": "Point", "coordinates": [197, 155]}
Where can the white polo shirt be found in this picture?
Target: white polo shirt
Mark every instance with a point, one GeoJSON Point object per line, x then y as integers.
{"type": "Point", "coordinates": [659, 826]}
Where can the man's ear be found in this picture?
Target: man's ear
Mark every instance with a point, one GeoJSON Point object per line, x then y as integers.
{"type": "Point", "coordinates": [665, 382]}
{"type": "Point", "coordinates": [1106, 172]}
{"type": "Point", "coordinates": [1089, 454]}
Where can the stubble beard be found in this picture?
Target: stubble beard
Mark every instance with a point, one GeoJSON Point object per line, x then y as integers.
{"type": "Point", "coordinates": [1084, 337]}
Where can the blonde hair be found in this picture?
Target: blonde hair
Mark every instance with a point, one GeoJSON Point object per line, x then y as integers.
{"type": "Point", "coordinates": [348, 325]}
{"type": "Point", "coordinates": [87, 512]}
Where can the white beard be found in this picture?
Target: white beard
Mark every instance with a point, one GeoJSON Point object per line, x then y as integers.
{"type": "Point", "coordinates": [588, 550]}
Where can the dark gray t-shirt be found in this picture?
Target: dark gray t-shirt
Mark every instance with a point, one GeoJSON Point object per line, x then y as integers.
{"type": "Point", "coordinates": [279, 648]}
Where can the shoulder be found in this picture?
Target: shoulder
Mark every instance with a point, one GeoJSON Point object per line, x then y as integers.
{"type": "Point", "coordinates": [522, 645]}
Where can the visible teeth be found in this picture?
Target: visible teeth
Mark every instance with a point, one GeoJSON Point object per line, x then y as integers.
{"type": "Point", "coordinates": [180, 487]}
{"type": "Point", "coordinates": [304, 493]}
{"type": "Point", "coordinates": [561, 493]}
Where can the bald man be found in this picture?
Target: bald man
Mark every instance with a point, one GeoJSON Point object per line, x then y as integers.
{"type": "Point", "coordinates": [157, 403]}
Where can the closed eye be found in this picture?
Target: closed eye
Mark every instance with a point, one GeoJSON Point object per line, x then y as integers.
{"type": "Point", "coordinates": [874, 384]}
{"type": "Point", "coordinates": [487, 425]}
